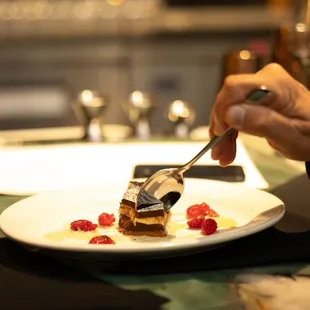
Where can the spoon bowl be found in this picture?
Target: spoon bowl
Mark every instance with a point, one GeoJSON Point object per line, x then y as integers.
{"type": "Point", "coordinates": [166, 185]}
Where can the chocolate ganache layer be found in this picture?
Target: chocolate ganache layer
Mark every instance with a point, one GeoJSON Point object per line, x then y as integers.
{"type": "Point", "coordinates": [146, 217]}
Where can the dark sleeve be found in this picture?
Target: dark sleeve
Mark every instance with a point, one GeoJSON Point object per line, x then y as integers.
{"type": "Point", "coordinates": [308, 169]}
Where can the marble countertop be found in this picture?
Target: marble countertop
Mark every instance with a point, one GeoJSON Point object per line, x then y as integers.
{"type": "Point", "coordinates": [275, 168]}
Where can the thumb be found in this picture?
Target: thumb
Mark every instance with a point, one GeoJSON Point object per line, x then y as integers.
{"type": "Point", "coordinates": [260, 121]}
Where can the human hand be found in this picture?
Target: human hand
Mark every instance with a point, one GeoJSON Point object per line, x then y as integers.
{"type": "Point", "coordinates": [283, 120]}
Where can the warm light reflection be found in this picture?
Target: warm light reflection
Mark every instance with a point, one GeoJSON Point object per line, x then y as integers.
{"type": "Point", "coordinates": [115, 2]}
{"type": "Point", "coordinates": [301, 27]}
{"type": "Point", "coordinates": [178, 109]}
{"type": "Point", "coordinates": [139, 99]}
{"type": "Point", "coordinates": [87, 96]}
{"type": "Point", "coordinates": [136, 96]}
{"type": "Point", "coordinates": [83, 10]}
{"type": "Point", "coordinates": [133, 9]}
{"type": "Point", "coordinates": [93, 99]}
{"type": "Point", "coordinates": [245, 55]}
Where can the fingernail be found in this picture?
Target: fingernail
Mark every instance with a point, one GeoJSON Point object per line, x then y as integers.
{"type": "Point", "coordinates": [235, 116]}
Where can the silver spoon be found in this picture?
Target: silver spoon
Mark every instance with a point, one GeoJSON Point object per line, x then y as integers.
{"type": "Point", "coordinates": [167, 185]}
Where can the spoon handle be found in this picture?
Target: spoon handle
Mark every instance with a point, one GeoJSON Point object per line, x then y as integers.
{"type": "Point", "coordinates": [254, 97]}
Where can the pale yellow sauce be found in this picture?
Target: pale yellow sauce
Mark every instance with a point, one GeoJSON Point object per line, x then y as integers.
{"type": "Point", "coordinates": [67, 233]}
{"type": "Point", "coordinates": [222, 222]}
{"type": "Point", "coordinates": [172, 227]}
{"type": "Point", "coordinates": [225, 222]}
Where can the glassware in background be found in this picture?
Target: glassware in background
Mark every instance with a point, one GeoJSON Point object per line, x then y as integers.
{"type": "Point", "coordinates": [90, 107]}
{"type": "Point", "coordinates": [292, 43]}
{"type": "Point", "coordinates": [139, 108]}
{"type": "Point", "coordinates": [292, 51]}
{"type": "Point", "coordinates": [182, 115]}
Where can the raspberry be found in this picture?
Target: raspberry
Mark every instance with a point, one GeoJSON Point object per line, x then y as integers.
{"type": "Point", "coordinates": [83, 225]}
{"type": "Point", "coordinates": [101, 240]}
{"type": "Point", "coordinates": [212, 213]}
{"type": "Point", "coordinates": [209, 227]}
{"type": "Point", "coordinates": [105, 219]}
{"type": "Point", "coordinates": [197, 210]}
{"type": "Point", "coordinates": [195, 223]}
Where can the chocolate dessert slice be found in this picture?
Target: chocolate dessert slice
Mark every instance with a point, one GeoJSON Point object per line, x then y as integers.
{"type": "Point", "coordinates": [144, 218]}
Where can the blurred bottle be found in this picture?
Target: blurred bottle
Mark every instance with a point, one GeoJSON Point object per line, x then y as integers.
{"type": "Point", "coordinates": [239, 62]}
{"type": "Point", "coordinates": [292, 43]}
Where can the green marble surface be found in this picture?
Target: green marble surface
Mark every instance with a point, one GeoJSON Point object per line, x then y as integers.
{"type": "Point", "coordinates": [218, 290]}
{"type": "Point", "coordinates": [210, 290]}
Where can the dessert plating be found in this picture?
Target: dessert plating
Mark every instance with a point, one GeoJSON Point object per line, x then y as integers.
{"type": "Point", "coordinates": [147, 217]}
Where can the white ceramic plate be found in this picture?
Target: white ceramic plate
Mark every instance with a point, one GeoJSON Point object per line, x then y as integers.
{"type": "Point", "coordinates": [31, 220]}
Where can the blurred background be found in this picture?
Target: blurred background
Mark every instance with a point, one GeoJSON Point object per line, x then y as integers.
{"type": "Point", "coordinates": [152, 65]}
